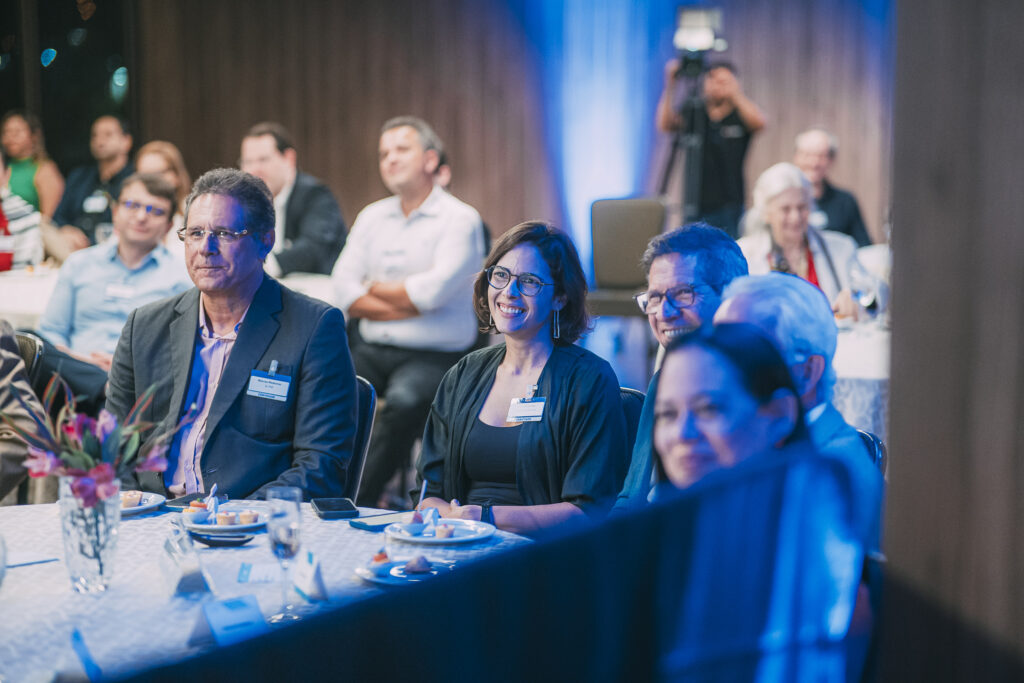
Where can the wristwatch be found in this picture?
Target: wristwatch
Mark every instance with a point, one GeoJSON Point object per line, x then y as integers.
{"type": "Point", "coordinates": [487, 514]}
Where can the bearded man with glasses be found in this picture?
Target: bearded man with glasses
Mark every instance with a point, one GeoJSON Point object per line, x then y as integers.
{"type": "Point", "coordinates": [687, 269]}
{"type": "Point", "coordinates": [263, 374]}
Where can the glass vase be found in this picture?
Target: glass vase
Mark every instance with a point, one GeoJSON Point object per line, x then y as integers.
{"type": "Point", "coordinates": [90, 538]}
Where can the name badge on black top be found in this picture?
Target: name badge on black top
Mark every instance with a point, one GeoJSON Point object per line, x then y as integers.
{"type": "Point", "coordinates": [525, 410]}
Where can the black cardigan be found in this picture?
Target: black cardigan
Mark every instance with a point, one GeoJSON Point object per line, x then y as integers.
{"type": "Point", "coordinates": [577, 453]}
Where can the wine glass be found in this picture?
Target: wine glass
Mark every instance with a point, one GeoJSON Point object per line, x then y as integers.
{"type": "Point", "coordinates": [283, 530]}
{"type": "Point", "coordinates": [864, 287]}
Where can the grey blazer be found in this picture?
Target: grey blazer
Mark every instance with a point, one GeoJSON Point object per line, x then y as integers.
{"type": "Point", "coordinates": [250, 442]}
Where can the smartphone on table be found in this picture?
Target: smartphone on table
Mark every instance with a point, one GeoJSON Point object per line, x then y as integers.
{"type": "Point", "coordinates": [334, 508]}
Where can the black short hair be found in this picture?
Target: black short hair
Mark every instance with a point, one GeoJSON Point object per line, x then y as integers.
{"type": "Point", "coordinates": [251, 193]}
{"type": "Point", "coordinates": [282, 138]}
{"type": "Point", "coordinates": [126, 128]}
{"type": "Point", "coordinates": [719, 258]}
{"type": "Point", "coordinates": [559, 252]}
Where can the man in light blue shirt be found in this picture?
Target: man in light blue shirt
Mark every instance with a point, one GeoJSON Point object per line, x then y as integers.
{"type": "Point", "coordinates": [98, 287]}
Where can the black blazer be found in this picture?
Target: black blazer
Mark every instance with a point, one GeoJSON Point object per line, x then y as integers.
{"type": "Point", "coordinates": [250, 442]}
{"type": "Point", "coordinates": [313, 224]}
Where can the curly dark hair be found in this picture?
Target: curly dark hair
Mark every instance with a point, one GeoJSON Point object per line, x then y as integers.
{"type": "Point", "coordinates": [559, 252]}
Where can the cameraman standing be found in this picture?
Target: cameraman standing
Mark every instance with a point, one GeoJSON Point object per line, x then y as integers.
{"type": "Point", "coordinates": [730, 119]}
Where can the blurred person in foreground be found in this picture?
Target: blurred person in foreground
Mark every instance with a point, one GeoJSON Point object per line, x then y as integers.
{"type": "Point", "coordinates": [796, 315]}
{"type": "Point", "coordinates": [26, 413]}
{"type": "Point", "coordinates": [724, 395]}
{"type": "Point", "coordinates": [730, 119]}
{"type": "Point", "coordinates": [836, 209]}
{"type": "Point", "coordinates": [529, 433]}
{"type": "Point", "coordinates": [781, 239]}
{"type": "Point", "coordinates": [310, 231]}
{"type": "Point", "coordinates": [406, 274]}
{"type": "Point", "coordinates": [34, 176]}
{"type": "Point", "coordinates": [262, 373]}
{"type": "Point", "coordinates": [85, 205]}
{"type": "Point", "coordinates": [687, 269]}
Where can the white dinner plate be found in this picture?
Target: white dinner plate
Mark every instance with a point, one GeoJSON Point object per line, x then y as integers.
{"type": "Point", "coordinates": [466, 531]}
{"type": "Point", "coordinates": [396, 575]}
{"type": "Point", "coordinates": [149, 501]}
{"type": "Point", "coordinates": [261, 521]}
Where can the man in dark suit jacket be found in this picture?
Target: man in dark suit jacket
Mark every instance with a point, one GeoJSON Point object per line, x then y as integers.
{"type": "Point", "coordinates": [309, 227]}
{"type": "Point", "coordinates": [263, 373]}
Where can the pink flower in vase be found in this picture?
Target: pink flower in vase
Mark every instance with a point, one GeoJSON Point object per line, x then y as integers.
{"type": "Point", "coordinates": [106, 484]}
{"type": "Point", "coordinates": [41, 463]}
{"type": "Point", "coordinates": [105, 425]}
{"type": "Point", "coordinates": [84, 489]}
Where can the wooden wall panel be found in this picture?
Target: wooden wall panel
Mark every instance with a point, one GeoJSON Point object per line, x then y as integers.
{"type": "Point", "coordinates": [333, 72]}
{"type": "Point", "coordinates": [956, 496]}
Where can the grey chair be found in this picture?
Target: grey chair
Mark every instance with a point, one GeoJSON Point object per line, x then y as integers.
{"type": "Point", "coordinates": [620, 230]}
{"type": "Point", "coordinates": [366, 400]}
{"type": "Point", "coordinates": [876, 448]}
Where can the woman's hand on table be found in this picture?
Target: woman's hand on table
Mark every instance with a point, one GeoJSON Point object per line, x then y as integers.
{"type": "Point", "coordinates": [456, 511]}
{"type": "Point", "coordinates": [442, 507]}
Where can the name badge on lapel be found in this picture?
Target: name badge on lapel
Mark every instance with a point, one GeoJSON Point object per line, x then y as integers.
{"type": "Point", "coordinates": [269, 384]}
{"type": "Point", "coordinates": [529, 409]}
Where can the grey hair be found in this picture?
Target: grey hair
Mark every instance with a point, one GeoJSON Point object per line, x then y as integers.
{"type": "Point", "coordinates": [250, 192]}
{"type": "Point", "coordinates": [833, 141]}
{"type": "Point", "coordinates": [776, 180]}
{"type": "Point", "coordinates": [428, 138]}
{"type": "Point", "coordinates": [796, 314]}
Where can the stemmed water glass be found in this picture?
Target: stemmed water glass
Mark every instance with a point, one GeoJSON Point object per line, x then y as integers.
{"type": "Point", "coordinates": [283, 527]}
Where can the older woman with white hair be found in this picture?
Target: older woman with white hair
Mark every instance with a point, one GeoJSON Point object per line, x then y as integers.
{"type": "Point", "coordinates": [781, 239]}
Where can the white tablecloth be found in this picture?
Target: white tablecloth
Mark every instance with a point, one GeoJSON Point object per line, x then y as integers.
{"type": "Point", "coordinates": [136, 623]}
{"type": "Point", "coordinates": [862, 378]}
{"type": "Point", "coordinates": [24, 294]}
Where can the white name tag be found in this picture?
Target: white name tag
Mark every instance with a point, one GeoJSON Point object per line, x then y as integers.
{"type": "Point", "coordinates": [95, 203]}
{"type": "Point", "coordinates": [117, 290]}
{"type": "Point", "coordinates": [228, 621]}
{"type": "Point", "coordinates": [525, 410]}
{"type": "Point", "coordinates": [265, 385]}
{"type": "Point", "coordinates": [306, 578]}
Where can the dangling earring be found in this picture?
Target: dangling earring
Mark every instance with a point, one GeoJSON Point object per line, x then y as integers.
{"type": "Point", "coordinates": [558, 332]}
{"type": "Point", "coordinates": [490, 322]}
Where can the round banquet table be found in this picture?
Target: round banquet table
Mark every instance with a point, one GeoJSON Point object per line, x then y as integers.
{"type": "Point", "coordinates": [24, 294]}
{"type": "Point", "coordinates": [137, 623]}
{"type": "Point", "coordinates": [861, 392]}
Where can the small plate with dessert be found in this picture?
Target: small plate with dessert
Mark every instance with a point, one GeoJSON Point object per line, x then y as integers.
{"type": "Point", "coordinates": [224, 521]}
{"type": "Point", "coordinates": [135, 502]}
{"type": "Point", "coordinates": [383, 571]}
{"type": "Point", "coordinates": [441, 531]}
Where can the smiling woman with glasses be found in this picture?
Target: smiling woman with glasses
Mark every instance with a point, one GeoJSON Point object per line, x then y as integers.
{"type": "Point", "coordinates": [528, 433]}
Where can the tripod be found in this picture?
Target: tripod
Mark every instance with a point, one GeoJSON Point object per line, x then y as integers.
{"type": "Point", "coordinates": [691, 138]}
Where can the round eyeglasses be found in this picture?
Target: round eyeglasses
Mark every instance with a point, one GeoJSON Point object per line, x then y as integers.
{"type": "Point", "coordinates": [222, 235]}
{"type": "Point", "coordinates": [500, 277]}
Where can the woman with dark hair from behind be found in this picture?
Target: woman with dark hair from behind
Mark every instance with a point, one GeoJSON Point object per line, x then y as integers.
{"type": "Point", "coordinates": [528, 433]}
{"type": "Point", "coordinates": [725, 394]}
{"type": "Point", "coordinates": [34, 176]}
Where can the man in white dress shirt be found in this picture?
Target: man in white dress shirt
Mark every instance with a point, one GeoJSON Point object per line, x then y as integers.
{"type": "Point", "coordinates": [406, 273]}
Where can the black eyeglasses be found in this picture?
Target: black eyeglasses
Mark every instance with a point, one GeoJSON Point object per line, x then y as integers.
{"type": "Point", "coordinates": [223, 235]}
{"type": "Point", "coordinates": [500, 277]}
{"type": "Point", "coordinates": [132, 205]}
{"type": "Point", "coordinates": [680, 297]}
